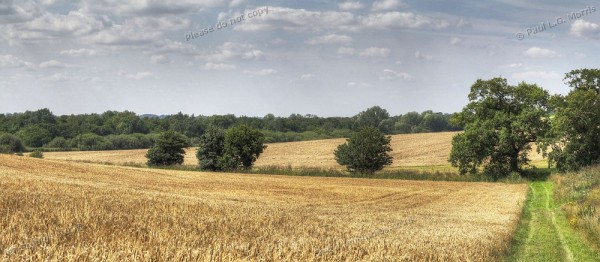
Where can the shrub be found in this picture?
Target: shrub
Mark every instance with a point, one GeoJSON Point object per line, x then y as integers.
{"type": "Point", "coordinates": [365, 151]}
{"type": "Point", "coordinates": [10, 144]}
{"type": "Point", "coordinates": [36, 154]}
{"type": "Point", "coordinates": [168, 149]}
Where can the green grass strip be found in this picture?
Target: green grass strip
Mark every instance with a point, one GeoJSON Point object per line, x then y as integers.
{"type": "Point", "coordinates": [544, 233]}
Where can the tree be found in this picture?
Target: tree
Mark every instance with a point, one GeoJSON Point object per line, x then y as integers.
{"type": "Point", "coordinates": [211, 149]}
{"type": "Point", "coordinates": [34, 135]}
{"type": "Point", "coordinates": [372, 117]}
{"type": "Point", "coordinates": [575, 136]}
{"type": "Point", "coordinates": [168, 149]}
{"type": "Point", "coordinates": [365, 151]}
{"type": "Point", "coordinates": [59, 143]}
{"type": "Point", "coordinates": [10, 144]}
{"type": "Point", "coordinates": [242, 146]}
{"type": "Point", "coordinates": [501, 122]}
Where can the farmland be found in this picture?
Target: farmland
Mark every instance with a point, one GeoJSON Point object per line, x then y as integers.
{"type": "Point", "coordinates": [410, 151]}
{"type": "Point", "coordinates": [51, 209]}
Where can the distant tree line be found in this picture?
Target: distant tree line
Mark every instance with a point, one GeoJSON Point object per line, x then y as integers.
{"type": "Point", "coordinates": [127, 130]}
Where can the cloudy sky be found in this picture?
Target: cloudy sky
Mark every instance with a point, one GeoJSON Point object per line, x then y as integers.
{"type": "Point", "coordinates": [330, 58]}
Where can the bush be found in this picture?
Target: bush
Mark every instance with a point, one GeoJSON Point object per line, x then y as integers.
{"type": "Point", "coordinates": [10, 144]}
{"type": "Point", "coordinates": [365, 151]}
{"type": "Point", "coordinates": [168, 149]}
{"type": "Point", "coordinates": [36, 154]}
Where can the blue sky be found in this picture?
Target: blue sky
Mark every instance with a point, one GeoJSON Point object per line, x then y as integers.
{"type": "Point", "coordinates": [329, 58]}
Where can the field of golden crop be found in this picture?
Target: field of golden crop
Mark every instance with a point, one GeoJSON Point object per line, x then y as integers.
{"type": "Point", "coordinates": [59, 210]}
{"type": "Point", "coordinates": [410, 150]}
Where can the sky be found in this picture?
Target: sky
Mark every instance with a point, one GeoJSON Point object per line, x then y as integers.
{"type": "Point", "coordinates": [246, 57]}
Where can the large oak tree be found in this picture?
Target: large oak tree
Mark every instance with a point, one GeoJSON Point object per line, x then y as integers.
{"type": "Point", "coordinates": [501, 122]}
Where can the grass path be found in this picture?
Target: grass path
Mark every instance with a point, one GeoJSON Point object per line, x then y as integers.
{"type": "Point", "coordinates": [544, 233]}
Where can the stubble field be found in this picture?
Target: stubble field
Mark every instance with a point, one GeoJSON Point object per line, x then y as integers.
{"type": "Point", "coordinates": [409, 151]}
{"type": "Point", "coordinates": [52, 209]}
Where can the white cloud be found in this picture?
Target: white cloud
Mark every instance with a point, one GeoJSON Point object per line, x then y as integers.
{"type": "Point", "coordinates": [129, 33]}
{"type": "Point", "coordinates": [78, 52]}
{"type": "Point", "coordinates": [388, 74]}
{"type": "Point", "coordinates": [51, 26]}
{"type": "Point", "coordinates": [13, 61]}
{"type": "Point", "coordinates": [351, 6]}
{"type": "Point", "coordinates": [585, 29]}
{"type": "Point", "coordinates": [422, 56]}
{"type": "Point", "coordinates": [233, 50]}
{"type": "Point", "coordinates": [330, 39]}
{"type": "Point", "coordinates": [346, 51]}
{"type": "Point", "coordinates": [514, 65]}
{"type": "Point", "coordinates": [399, 20]}
{"type": "Point", "coordinates": [290, 19]}
{"type": "Point", "coordinates": [384, 5]}
{"type": "Point", "coordinates": [307, 76]}
{"type": "Point", "coordinates": [375, 52]}
{"type": "Point", "coordinates": [537, 52]}
{"type": "Point", "coordinates": [368, 52]}
{"type": "Point", "coordinates": [214, 66]}
{"type": "Point", "coordinates": [355, 84]}
{"type": "Point", "coordinates": [153, 7]}
{"type": "Point", "coordinates": [11, 13]}
{"type": "Point", "coordinates": [536, 75]}
{"type": "Point", "coordinates": [52, 64]}
{"type": "Point", "coordinates": [300, 20]}
{"type": "Point", "coordinates": [160, 59]}
{"type": "Point", "coordinates": [235, 3]}
{"type": "Point", "coordinates": [455, 40]}
{"type": "Point", "coordinates": [58, 77]}
{"type": "Point", "coordinates": [262, 72]}
{"type": "Point", "coordinates": [136, 76]}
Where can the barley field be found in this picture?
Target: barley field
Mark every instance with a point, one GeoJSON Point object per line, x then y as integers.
{"type": "Point", "coordinates": [60, 210]}
{"type": "Point", "coordinates": [409, 151]}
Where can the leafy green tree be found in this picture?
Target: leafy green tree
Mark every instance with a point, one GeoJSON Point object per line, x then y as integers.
{"type": "Point", "coordinates": [211, 149]}
{"type": "Point", "coordinates": [58, 142]}
{"type": "Point", "coordinates": [435, 122]}
{"type": "Point", "coordinates": [90, 142]}
{"type": "Point", "coordinates": [575, 136]}
{"type": "Point", "coordinates": [242, 146]}
{"type": "Point", "coordinates": [168, 149]}
{"type": "Point", "coordinates": [10, 144]}
{"type": "Point", "coordinates": [34, 135]}
{"type": "Point", "coordinates": [372, 117]}
{"type": "Point", "coordinates": [501, 121]}
{"type": "Point", "coordinates": [365, 151]}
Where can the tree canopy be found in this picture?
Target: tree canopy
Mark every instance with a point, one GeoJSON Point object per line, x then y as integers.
{"type": "Point", "coordinates": [501, 122]}
{"type": "Point", "coordinates": [365, 152]}
{"type": "Point", "coordinates": [575, 136]}
{"type": "Point", "coordinates": [242, 146]}
{"type": "Point", "coordinates": [211, 149]}
{"type": "Point", "coordinates": [168, 149]}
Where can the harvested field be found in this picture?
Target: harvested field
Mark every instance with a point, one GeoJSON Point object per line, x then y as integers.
{"type": "Point", "coordinates": [57, 210]}
{"type": "Point", "coordinates": [410, 150]}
